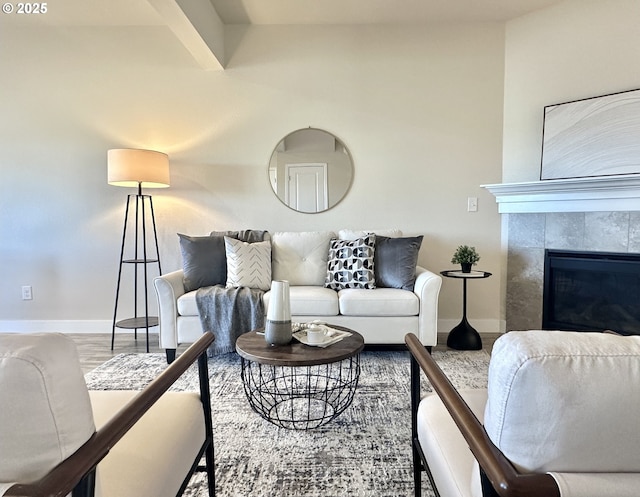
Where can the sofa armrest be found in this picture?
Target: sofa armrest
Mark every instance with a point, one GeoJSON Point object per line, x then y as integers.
{"type": "Point", "coordinates": [78, 467]}
{"type": "Point", "coordinates": [427, 288]}
{"type": "Point", "coordinates": [496, 468]}
{"type": "Point", "coordinates": [169, 287]}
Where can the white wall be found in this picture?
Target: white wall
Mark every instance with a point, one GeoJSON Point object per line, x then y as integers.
{"type": "Point", "coordinates": [420, 109]}
{"type": "Point", "coordinates": [578, 49]}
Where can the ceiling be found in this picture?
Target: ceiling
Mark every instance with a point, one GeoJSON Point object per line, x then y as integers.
{"type": "Point", "coordinates": [199, 24]}
{"type": "Point", "coordinates": [271, 12]}
{"type": "Point", "coordinates": [372, 11]}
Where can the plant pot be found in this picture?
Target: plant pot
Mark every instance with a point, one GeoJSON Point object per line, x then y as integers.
{"type": "Point", "coordinates": [466, 267]}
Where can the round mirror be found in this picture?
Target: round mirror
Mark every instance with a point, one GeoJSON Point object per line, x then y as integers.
{"type": "Point", "coordinates": [310, 170]}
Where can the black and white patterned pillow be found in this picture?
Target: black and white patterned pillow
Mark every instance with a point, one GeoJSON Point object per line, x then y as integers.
{"type": "Point", "coordinates": [350, 263]}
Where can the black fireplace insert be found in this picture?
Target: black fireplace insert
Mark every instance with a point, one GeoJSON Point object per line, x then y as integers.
{"type": "Point", "coordinates": [591, 291]}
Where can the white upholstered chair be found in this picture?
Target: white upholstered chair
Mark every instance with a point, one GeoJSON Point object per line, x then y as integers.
{"type": "Point", "coordinates": [54, 432]}
{"type": "Point", "coordinates": [560, 417]}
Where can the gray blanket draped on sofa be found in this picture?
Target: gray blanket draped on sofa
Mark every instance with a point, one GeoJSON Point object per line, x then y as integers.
{"type": "Point", "coordinates": [228, 313]}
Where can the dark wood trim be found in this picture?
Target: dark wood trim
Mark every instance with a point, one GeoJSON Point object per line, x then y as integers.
{"type": "Point", "coordinates": [60, 481]}
{"type": "Point", "coordinates": [504, 478]}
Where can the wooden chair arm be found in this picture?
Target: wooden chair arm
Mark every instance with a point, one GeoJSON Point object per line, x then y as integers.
{"type": "Point", "coordinates": [61, 480]}
{"type": "Point", "coordinates": [505, 479]}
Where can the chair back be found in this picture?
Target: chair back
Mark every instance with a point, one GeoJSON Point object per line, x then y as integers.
{"type": "Point", "coordinates": [46, 412]}
{"type": "Point", "coordinates": [562, 401]}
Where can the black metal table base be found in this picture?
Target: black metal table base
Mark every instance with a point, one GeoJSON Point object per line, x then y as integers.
{"type": "Point", "coordinates": [300, 397]}
{"type": "Point", "coordinates": [464, 337]}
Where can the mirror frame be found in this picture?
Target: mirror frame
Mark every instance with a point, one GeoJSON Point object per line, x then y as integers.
{"type": "Point", "coordinates": [328, 167]}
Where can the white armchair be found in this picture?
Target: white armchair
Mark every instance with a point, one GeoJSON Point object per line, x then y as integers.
{"type": "Point", "coordinates": [57, 437]}
{"type": "Point", "coordinates": [559, 419]}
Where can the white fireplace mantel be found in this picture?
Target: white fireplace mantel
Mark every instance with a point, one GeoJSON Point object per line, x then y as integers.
{"type": "Point", "coordinates": [608, 193]}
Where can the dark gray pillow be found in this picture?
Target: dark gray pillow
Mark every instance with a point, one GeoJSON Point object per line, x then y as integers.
{"type": "Point", "coordinates": [395, 261]}
{"type": "Point", "coordinates": [204, 261]}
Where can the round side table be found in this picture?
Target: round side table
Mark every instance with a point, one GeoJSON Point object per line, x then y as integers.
{"type": "Point", "coordinates": [464, 336]}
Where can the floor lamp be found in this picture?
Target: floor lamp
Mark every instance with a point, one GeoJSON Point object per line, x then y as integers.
{"type": "Point", "coordinates": [137, 169]}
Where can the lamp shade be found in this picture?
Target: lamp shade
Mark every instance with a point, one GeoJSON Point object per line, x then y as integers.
{"type": "Point", "coordinates": [133, 168]}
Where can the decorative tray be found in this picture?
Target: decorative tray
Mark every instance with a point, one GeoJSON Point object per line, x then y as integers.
{"type": "Point", "coordinates": [333, 336]}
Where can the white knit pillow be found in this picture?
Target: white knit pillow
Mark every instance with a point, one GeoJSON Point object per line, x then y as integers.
{"type": "Point", "coordinates": [248, 264]}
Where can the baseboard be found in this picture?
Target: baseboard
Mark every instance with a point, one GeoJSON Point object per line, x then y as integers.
{"type": "Point", "coordinates": [481, 325]}
{"type": "Point", "coordinates": [62, 326]}
{"type": "Point", "coordinates": [104, 326]}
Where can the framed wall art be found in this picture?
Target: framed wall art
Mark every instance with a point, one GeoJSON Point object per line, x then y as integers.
{"type": "Point", "coordinates": [598, 136]}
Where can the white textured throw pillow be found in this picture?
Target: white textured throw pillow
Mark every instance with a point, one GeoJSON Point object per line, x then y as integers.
{"type": "Point", "coordinates": [248, 264]}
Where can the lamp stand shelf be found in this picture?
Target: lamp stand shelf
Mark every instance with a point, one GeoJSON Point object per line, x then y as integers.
{"type": "Point", "coordinates": [137, 321]}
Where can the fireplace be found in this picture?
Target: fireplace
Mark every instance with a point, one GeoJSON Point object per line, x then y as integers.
{"type": "Point", "coordinates": [591, 291]}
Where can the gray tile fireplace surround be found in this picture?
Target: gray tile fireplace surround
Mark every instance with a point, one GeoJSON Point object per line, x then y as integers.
{"type": "Point", "coordinates": [530, 234]}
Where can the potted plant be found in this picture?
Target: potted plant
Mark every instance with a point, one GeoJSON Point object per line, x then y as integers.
{"type": "Point", "coordinates": [465, 256]}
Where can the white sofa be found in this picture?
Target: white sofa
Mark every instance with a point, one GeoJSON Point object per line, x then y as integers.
{"type": "Point", "coordinates": [381, 315]}
{"type": "Point", "coordinates": [559, 418]}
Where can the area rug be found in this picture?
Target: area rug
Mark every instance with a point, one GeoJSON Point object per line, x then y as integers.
{"type": "Point", "coordinates": [366, 451]}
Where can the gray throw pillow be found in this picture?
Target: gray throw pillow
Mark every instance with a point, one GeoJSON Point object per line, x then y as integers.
{"type": "Point", "coordinates": [204, 262]}
{"type": "Point", "coordinates": [396, 260]}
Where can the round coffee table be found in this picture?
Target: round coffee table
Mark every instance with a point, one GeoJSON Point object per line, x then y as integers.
{"type": "Point", "coordinates": [297, 386]}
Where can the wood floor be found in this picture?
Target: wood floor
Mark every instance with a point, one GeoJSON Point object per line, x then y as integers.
{"type": "Point", "coordinates": [95, 349]}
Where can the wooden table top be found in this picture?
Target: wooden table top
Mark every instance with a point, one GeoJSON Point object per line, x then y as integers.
{"type": "Point", "coordinates": [253, 347]}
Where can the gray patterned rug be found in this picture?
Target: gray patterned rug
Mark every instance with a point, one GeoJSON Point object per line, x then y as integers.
{"type": "Point", "coordinates": [366, 451]}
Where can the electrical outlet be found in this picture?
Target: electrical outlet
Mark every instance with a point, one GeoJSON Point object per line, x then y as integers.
{"type": "Point", "coordinates": [472, 204]}
{"type": "Point", "coordinates": [26, 293]}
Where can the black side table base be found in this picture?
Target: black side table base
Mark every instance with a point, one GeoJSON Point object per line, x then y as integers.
{"type": "Point", "coordinates": [464, 337]}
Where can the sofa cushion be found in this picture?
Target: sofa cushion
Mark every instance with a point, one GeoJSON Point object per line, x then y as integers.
{"type": "Point", "coordinates": [310, 301]}
{"type": "Point", "coordinates": [248, 264]}
{"type": "Point", "coordinates": [187, 305]}
{"type": "Point", "coordinates": [378, 302]}
{"type": "Point", "coordinates": [46, 413]}
{"type": "Point", "coordinates": [354, 234]}
{"type": "Point", "coordinates": [350, 263]}
{"type": "Point", "coordinates": [565, 401]}
{"type": "Point", "coordinates": [301, 257]}
{"type": "Point", "coordinates": [395, 261]}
